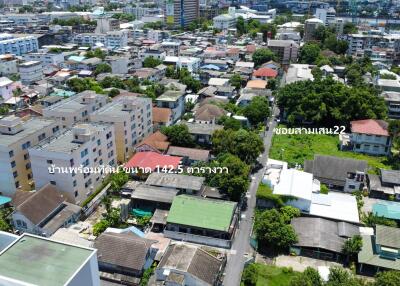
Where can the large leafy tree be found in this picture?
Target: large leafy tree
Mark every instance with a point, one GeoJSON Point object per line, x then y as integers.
{"type": "Point", "coordinates": [249, 277]}
{"type": "Point", "coordinates": [310, 277]}
{"type": "Point", "coordinates": [309, 53]}
{"type": "Point", "coordinates": [236, 81]}
{"type": "Point", "coordinates": [273, 230]}
{"type": "Point", "coordinates": [178, 135]}
{"type": "Point", "coordinates": [258, 110]}
{"type": "Point", "coordinates": [102, 68]}
{"type": "Point", "coordinates": [387, 278]}
{"type": "Point", "coordinates": [327, 102]}
{"type": "Point", "coordinates": [263, 55]}
{"type": "Point", "coordinates": [151, 62]}
{"type": "Point", "coordinates": [245, 144]}
{"type": "Point", "coordinates": [338, 276]}
{"type": "Point", "coordinates": [352, 247]}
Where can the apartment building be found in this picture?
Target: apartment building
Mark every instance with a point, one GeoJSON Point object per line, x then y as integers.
{"type": "Point", "coordinates": [75, 108]}
{"type": "Point", "coordinates": [16, 137]}
{"type": "Point", "coordinates": [10, 44]}
{"type": "Point", "coordinates": [30, 72]}
{"type": "Point", "coordinates": [181, 13]}
{"type": "Point", "coordinates": [111, 39]}
{"type": "Point", "coordinates": [310, 26]}
{"type": "Point", "coordinates": [132, 120]}
{"type": "Point", "coordinates": [224, 22]}
{"type": "Point", "coordinates": [85, 145]}
{"type": "Point", "coordinates": [46, 58]}
{"type": "Point", "coordinates": [8, 64]}
{"type": "Point", "coordinates": [392, 100]}
{"type": "Point", "coordinates": [174, 100]}
{"type": "Point", "coordinates": [286, 50]}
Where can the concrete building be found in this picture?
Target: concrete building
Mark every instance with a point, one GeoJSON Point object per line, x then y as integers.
{"type": "Point", "coordinates": [174, 100]}
{"type": "Point", "coordinates": [30, 72]}
{"type": "Point", "coordinates": [111, 39]}
{"type": "Point", "coordinates": [132, 120]}
{"type": "Point", "coordinates": [119, 64]}
{"type": "Point", "coordinates": [286, 50]}
{"type": "Point", "coordinates": [180, 13]}
{"type": "Point", "coordinates": [75, 108]}
{"type": "Point", "coordinates": [392, 100]}
{"type": "Point", "coordinates": [9, 44]}
{"type": "Point", "coordinates": [310, 26]}
{"type": "Point", "coordinates": [224, 22]}
{"type": "Point", "coordinates": [192, 64]}
{"type": "Point", "coordinates": [8, 65]}
{"type": "Point", "coordinates": [46, 58]}
{"type": "Point", "coordinates": [326, 15]}
{"type": "Point", "coordinates": [86, 145]}
{"type": "Point", "coordinates": [16, 137]}
{"type": "Point", "coordinates": [55, 263]}
{"type": "Point", "coordinates": [6, 88]}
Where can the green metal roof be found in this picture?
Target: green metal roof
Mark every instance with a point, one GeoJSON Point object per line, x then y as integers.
{"type": "Point", "coordinates": [42, 262]}
{"type": "Point", "coordinates": [368, 256]}
{"type": "Point", "coordinates": [202, 213]}
{"type": "Point", "coordinates": [387, 209]}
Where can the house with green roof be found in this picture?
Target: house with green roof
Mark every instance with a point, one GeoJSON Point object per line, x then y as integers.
{"type": "Point", "coordinates": [380, 251]}
{"type": "Point", "coordinates": [387, 209]}
{"type": "Point", "coordinates": [200, 220]}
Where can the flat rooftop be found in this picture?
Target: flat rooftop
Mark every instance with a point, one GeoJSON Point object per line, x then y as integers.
{"type": "Point", "coordinates": [43, 262]}
{"type": "Point", "coordinates": [29, 127]}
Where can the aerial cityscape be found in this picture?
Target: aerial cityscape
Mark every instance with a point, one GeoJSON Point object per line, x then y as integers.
{"type": "Point", "coordinates": [200, 142]}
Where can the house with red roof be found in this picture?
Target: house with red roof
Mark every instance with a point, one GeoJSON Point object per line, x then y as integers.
{"type": "Point", "coordinates": [153, 162]}
{"type": "Point", "coordinates": [370, 136]}
{"type": "Point", "coordinates": [265, 73]}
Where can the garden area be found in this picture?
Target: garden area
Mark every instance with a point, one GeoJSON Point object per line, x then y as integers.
{"type": "Point", "coordinates": [262, 274]}
{"type": "Point", "coordinates": [296, 148]}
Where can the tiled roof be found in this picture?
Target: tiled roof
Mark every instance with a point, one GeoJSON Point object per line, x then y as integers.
{"type": "Point", "coordinates": [265, 72]}
{"type": "Point", "coordinates": [161, 114]}
{"type": "Point", "coordinates": [370, 126]}
{"type": "Point", "coordinates": [156, 140]}
{"type": "Point", "coordinates": [153, 160]}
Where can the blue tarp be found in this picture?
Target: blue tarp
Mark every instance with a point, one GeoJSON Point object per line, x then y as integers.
{"type": "Point", "coordinates": [4, 200]}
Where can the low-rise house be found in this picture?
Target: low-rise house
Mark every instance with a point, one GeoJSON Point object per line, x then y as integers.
{"type": "Point", "coordinates": [149, 161]}
{"type": "Point", "coordinates": [388, 84]}
{"type": "Point", "coordinates": [124, 254]}
{"type": "Point", "coordinates": [150, 74]}
{"type": "Point", "coordinates": [204, 221]}
{"type": "Point", "coordinates": [218, 82]}
{"type": "Point", "coordinates": [386, 185]}
{"type": "Point", "coordinates": [370, 136]}
{"type": "Point", "coordinates": [392, 100]}
{"type": "Point", "coordinates": [265, 73]}
{"type": "Point", "coordinates": [156, 142]}
{"type": "Point", "coordinates": [202, 132]}
{"type": "Point", "coordinates": [189, 155]}
{"type": "Point", "coordinates": [256, 84]}
{"type": "Point", "coordinates": [297, 72]}
{"type": "Point", "coordinates": [380, 251]}
{"type": "Point", "coordinates": [189, 265]}
{"type": "Point", "coordinates": [226, 91]}
{"type": "Point", "coordinates": [43, 212]}
{"type": "Point", "coordinates": [7, 87]}
{"type": "Point", "coordinates": [321, 238]}
{"type": "Point", "coordinates": [387, 209]}
{"type": "Point", "coordinates": [149, 197]}
{"type": "Point", "coordinates": [343, 174]}
{"type": "Point", "coordinates": [161, 117]}
{"type": "Point", "coordinates": [186, 184]}
{"type": "Point", "coordinates": [30, 72]}
{"type": "Point", "coordinates": [208, 113]}
{"type": "Point", "coordinates": [174, 100]}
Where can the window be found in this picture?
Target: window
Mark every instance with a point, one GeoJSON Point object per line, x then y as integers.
{"type": "Point", "coordinates": [26, 145]}
{"type": "Point", "coordinates": [352, 187]}
{"type": "Point", "coordinates": [98, 142]}
{"type": "Point", "coordinates": [11, 153]}
{"type": "Point", "coordinates": [84, 153]}
{"type": "Point", "coordinates": [49, 161]}
{"type": "Point", "coordinates": [41, 136]}
{"type": "Point", "coordinates": [76, 194]}
{"type": "Point", "coordinates": [29, 176]}
{"type": "Point", "coordinates": [26, 156]}
{"type": "Point", "coordinates": [13, 164]}
{"type": "Point", "coordinates": [71, 162]}
{"type": "Point", "coordinates": [17, 184]}
{"type": "Point", "coordinates": [74, 183]}
{"type": "Point", "coordinates": [55, 129]}
{"type": "Point", "coordinates": [28, 166]}
{"type": "Point", "coordinates": [15, 174]}
{"type": "Point", "coordinates": [53, 183]}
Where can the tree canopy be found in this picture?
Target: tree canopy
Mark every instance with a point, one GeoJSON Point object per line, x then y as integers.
{"type": "Point", "coordinates": [257, 111]}
{"type": "Point", "coordinates": [327, 102]}
{"type": "Point", "coordinates": [178, 135]}
{"type": "Point", "coordinates": [151, 62]}
{"type": "Point", "coordinates": [310, 277]}
{"type": "Point", "coordinates": [102, 68]}
{"type": "Point", "coordinates": [263, 55]}
{"type": "Point", "coordinates": [309, 53]}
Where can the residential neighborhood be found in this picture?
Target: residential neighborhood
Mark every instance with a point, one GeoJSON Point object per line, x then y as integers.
{"type": "Point", "coordinates": [220, 143]}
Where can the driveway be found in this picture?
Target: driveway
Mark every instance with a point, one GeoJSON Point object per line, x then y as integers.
{"type": "Point", "coordinates": [300, 263]}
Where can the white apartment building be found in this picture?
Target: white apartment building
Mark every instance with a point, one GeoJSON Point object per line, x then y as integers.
{"type": "Point", "coordinates": [46, 58]}
{"type": "Point", "coordinates": [192, 64]}
{"type": "Point", "coordinates": [6, 88]}
{"type": "Point", "coordinates": [30, 72]}
{"type": "Point", "coordinates": [326, 15]}
{"type": "Point", "coordinates": [16, 137]}
{"type": "Point", "coordinates": [88, 145]}
{"type": "Point", "coordinates": [224, 22]}
{"type": "Point", "coordinates": [112, 39]}
{"type": "Point", "coordinates": [132, 120]}
{"type": "Point", "coordinates": [8, 65]}
{"type": "Point", "coordinates": [75, 108]}
{"type": "Point", "coordinates": [9, 44]}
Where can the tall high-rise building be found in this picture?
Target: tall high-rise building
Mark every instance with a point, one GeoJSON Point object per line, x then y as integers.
{"type": "Point", "coordinates": [180, 13]}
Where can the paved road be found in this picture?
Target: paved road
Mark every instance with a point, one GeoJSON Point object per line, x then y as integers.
{"type": "Point", "coordinates": [241, 243]}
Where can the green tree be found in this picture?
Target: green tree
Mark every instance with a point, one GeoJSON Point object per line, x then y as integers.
{"type": "Point", "coordinates": [100, 227]}
{"type": "Point", "coordinates": [241, 26]}
{"type": "Point", "coordinates": [5, 224]}
{"type": "Point", "coordinates": [394, 131]}
{"type": "Point", "coordinates": [257, 111]}
{"type": "Point", "coordinates": [96, 53]}
{"type": "Point", "coordinates": [250, 275]}
{"type": "Point", "coordinates": [338, 276]}
{"type": "Point", "coordinates": [151, 62]}
{"type": "Point", "coordinates": [387, 278]}
{"type": "Point", "coordinates": [350, 28]}
{"type": "Point", "coordinates": [309, 53]}
{"type": "Point", "coordinates": [118, 180]}
{"type": "Point", "coordinates": [263, 55]}
{"type": "Point", "coordinates": [309, 277]}
{"type": "Point", "coordinates": [178, 135]}
{"type": "Point", "coordinates": [102, 68]}
{"type": "Point", "coordinates": [272, 84]}
{"type": "Point", "coordinates": [352, 247]}
{"type": "Point", "coordinates": [236, 81]}
{"type": "Point", "coordinates": [273, 231]}
{"type": "Point", "coordinates": [372, 220]}
{"type": "Point", "coordinates": [230, 123]}
{"type": "Point", "coordinates": [387, 76]}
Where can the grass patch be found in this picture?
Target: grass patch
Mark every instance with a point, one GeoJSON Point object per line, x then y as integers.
{"type": "Point", "coordinates": [264, 192]}
{"type": "Point", "coordinates": [300, 147]}
{"type": "Point", "coordinates": [273, 276]}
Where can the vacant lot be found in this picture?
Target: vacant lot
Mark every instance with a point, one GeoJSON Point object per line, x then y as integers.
{"type": "Point", "coordinates": [273, 276]}
{"type": "Point", "coordinates": [299, 147]}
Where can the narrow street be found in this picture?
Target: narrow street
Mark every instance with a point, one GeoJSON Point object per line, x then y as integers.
{"type": "Point", "coordinates": [241, 243]}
